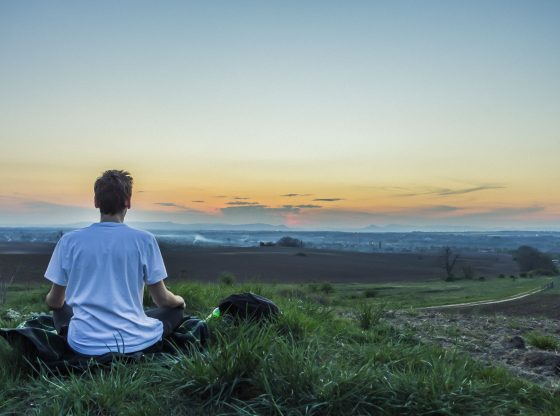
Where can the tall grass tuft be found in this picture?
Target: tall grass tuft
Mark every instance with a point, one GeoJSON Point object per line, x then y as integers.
{"type": "Point", "coordinates": [368, 315]}
{"type": "Point", "coordinates": [543, 342]}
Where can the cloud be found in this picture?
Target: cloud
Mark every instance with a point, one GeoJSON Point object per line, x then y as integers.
{"type": "Point", "coordinates": [436, 209]}
{"type": "Point", "coordinates": [169, 204]}
{"type": "Point", "coordinates": [302, 206]}
{"type": "Point", "coordinates": [259, 213]}
{"type": "Point", "coordinates": [445, 192]}
{"type": "Point", "coordinates": [242, 203]}
{"type": "Point", "coordinates": [240, 197]}
{"type": "Point", "coordinates": [449, 191]}
{"type": "Point", "coordinates": [292, 195]}
{"type": "Point", "coordinates": [328, 199]}
{"type": "Point", "coordinates": [182, 208]}
{"type": "Point", "coordinates": [220, 196]}
{"type": "Point", "coordinates": [198, 201]}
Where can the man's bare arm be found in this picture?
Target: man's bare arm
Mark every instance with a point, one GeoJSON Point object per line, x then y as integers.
{"type": "Point", "coordinates": [55, 297]}
{"type": "Point", "coordinates": [163, 297]}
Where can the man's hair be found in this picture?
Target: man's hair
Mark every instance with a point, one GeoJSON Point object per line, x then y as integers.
{"type": "Point", "coordinates": [112, 189]}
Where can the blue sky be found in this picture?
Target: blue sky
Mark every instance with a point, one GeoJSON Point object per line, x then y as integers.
{"type": "Point", "coordinates": [390, 110]}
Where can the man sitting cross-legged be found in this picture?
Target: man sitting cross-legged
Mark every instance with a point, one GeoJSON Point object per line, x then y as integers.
{"type": "Point", "coordinates": [98, 275]}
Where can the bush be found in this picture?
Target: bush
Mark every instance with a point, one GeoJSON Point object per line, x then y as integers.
{"type": "Point", "coordinates": [226, 278]}
{"type": "Point", "coordinates": [266, 244]}
{"type": "Point", "coordinates": [289, 242]}
{"type": "Point", "coordinates": [482, 278]}
{"type": "Point", "coordinates": [529, 258]}
{"type": "Point", "coordinates": [502, 276]}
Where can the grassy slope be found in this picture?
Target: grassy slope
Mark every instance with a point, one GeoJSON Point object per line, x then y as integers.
{"type": "Point", "coordinates": [309, 362]}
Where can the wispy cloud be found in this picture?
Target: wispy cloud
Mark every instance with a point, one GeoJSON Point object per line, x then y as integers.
{"type": "Point", "coordinates": [169, 204]}
{"type": "Point", "coordinates": [292, 195]}
{"type": "Point", "coordinates": [302, 206]}
{"type": "Point", "coordinates": [449, 191]}
{"type": "Point", "coordinates": [436, 209]}
{"type": "Point", "coordinates": [259, 213]}
{"type": "Point", "coordinates": [198, 201]}
{"type": "Point", "coordinates": [328, 199]}
{"type": "Point", "coordinates": [242, 203]}
{"type": "Point", "coordinates": [180, 207]}
{"type": "Point", "coordinates": [240, 197]}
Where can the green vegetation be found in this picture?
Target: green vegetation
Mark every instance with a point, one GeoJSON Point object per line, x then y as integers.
{"type": "Point", "coordinates": [436, 292]}
{"type": "Point", "coordinates": [543, 342]}
{"type": "Point", "coordinates": [328, 354]}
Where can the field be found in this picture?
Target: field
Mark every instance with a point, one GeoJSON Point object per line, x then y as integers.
{"type": "Point", "coordinates": [275, 264]}
{"type": "Point", "coordinates": [331, 352]}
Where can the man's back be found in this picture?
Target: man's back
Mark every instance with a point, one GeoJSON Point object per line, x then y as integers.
{"type": "Point", "coordinates": [104, 267]}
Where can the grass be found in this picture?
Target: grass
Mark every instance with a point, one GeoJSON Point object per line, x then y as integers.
{"type": "Point", "coordinates": [312, 361]}
{"type": "Point", "coordinates": [436, 292]}
{"type": "Point", "coordinates": [543, 342]}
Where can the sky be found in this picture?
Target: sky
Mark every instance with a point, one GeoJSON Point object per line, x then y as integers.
{"type": "Point", "coordinates": [310, 114]}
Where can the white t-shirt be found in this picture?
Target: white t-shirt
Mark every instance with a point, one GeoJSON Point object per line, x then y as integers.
{"type": "Point", "coordinates": [104, 267]}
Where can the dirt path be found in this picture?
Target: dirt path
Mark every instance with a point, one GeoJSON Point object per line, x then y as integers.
{"type": "Point", "coordinates": [489, 302]}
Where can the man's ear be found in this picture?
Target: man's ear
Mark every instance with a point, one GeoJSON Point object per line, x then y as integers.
{"type": "Point", "coordinates": [127, 203]}
{"type": "Point", "coordinates": [95, 202]}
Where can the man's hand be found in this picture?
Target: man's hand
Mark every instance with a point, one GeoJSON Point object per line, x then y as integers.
{"type": "Point", "coordinates": [180, 301]}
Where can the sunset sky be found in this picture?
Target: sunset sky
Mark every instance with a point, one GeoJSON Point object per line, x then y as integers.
{"type": "Point", "coordinates": [312, 114]}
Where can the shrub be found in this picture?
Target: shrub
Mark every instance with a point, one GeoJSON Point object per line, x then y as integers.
{"type": "Point", "coordinates": [226, 278]}
{"type": "Point", "coordinates": [287, 241]}
{"type": "Point", "coordinates": [542, 342]}
{"type": "Point", "coordinates": [482, 278]}
{"type": "Point", "coordinates": [529, 258]}
{"type": "Point", "coordinates": [502, 276]}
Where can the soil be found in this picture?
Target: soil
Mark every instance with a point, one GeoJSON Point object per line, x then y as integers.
{"type": "Point", "coordinates": [496, 333]}
{"type": "Point", "coordinates": [494, 339]}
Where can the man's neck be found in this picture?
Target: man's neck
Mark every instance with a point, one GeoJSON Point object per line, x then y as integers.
{"type": "Point", "coordinates": [113, 218]}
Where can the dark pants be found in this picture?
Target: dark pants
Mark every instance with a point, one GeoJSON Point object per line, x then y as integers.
{"type": "Point", "coordinates": [171, 318]}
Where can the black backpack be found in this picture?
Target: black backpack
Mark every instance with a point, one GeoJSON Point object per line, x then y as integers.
{"type": "Point", "coordinates": [248, 306]}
